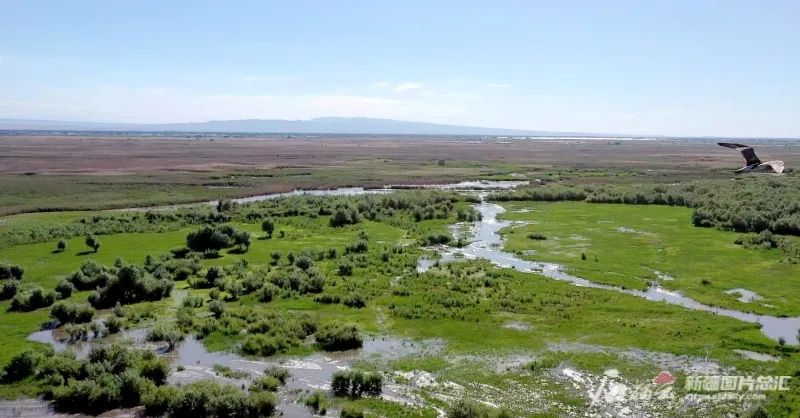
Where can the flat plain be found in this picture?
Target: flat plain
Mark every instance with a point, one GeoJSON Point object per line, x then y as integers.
{"type": "Point", "coordinates": [464, 337]}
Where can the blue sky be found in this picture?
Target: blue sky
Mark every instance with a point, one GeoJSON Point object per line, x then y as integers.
{"type": "Point", "coordinates": [652, 67]}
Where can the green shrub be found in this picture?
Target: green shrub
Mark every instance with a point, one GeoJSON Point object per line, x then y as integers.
{"type": "Point", "coordinates": [327, 298]}
{"type": "Point", "coordinates": [268, 226]}
{"type": "Point", "coordinates": [261, 345]}
{"type": "Point", "coordinates": [32, 299]}
{"type": "Point", "coordinates": [349, 411]}
{"type": "Point", "coordinates": [345, 269]}
{"type": "Point", "coordinates": [318, 402]}
{"type": "Point", "coordinates": [155, 369]}
{"type": "Point", "coordinates": [354, 300]}
{"type": "Point", "coordinates": [72, 312]}
{"type": "Point", "coordinates": [192, 301]}
{"type": "Point", "coordinates": [265, 384]}
{"type": "Point", "coordinates": [8, 289]}
{"type": "Point", "coordinates": [65, 288]}
{"type": "Point", "coordinates": [345, 216]}
{"type": "Point", "coordinates": [208, 398]}
{"type": "Point", "coordinates": [337, 337]}
{"type": "Point", "coordinates": [359, 247]}
{"type": "Point", "coordinates": [57, 369]}
{"type": "Point", "coordinates": [279, 373]}
{"type": "Point", "coordinates": [90, 276]}
{"type": "Point", "coordinates": [355, 383]}
{"type": "Point", "coordinates": [130, 284]}
{"type": "Point", "coordinates": [77, 332]}
{"type": "Point", "coordinates": [275, 256]}
{"type": "Point", "coordinates": [216, 307]}
{"type": "Point", "coordinates": [22, 365]}
{"type": "Point", "coordinates": [92, 242]}
{"type": "Point", "coordinates": [435, 239]}
{"type": "Point", "coordinates": [113, 324]}
{"type": "Point", "coordinates": [11, 272]}
{"type": "Point", "coordinates": [304, 263]}
{"type": "Point", "coordinates": [466, 409]}
{"type": "Point", "coordinates": [267, 292]}
{"type": "Point", "coordinates": [165, 333]}
{"type": "Point", "coordinates": [230, 373]}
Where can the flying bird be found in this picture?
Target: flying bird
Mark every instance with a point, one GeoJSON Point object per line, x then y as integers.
{"type": "Point", "coordinates": [751, 161]}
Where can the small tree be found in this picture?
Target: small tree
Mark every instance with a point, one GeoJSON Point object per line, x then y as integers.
{"type": "Point", "coordinates": [22, 365]}
{"type": "Point", "coordinates": [276, 256]}
{"type": "Point", "coordinates": [92, 242]}
{"type": "Point", "coordinates": [207, 240]}
{"type": "Point", "coordinates": [217, 308]}
{"type": "Point", "coordinates": [242, 239]}
{"type": "Point", "coordinates": [11, 272]}
{"type": "Point", "coordinates": [62, 245]}
{"type": "Point", "coordinates": [268, 226]}
{"type": "Point", "coordinates": [224, 205]}
{"type": "Point", "coordinates": [165, 333]}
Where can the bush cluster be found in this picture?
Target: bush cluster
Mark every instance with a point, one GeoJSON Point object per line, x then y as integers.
{"type": "Point", "coordinates": [72, 312]}
{"type": "Point", "coordinates": [337, 337]}
{"type": "Point", "coordinates": [8, 288]}
{"type": "Point", "coordinates": [128, 283]}
{"type": "Point", "coordinates": [90, 275]}
{"type": "Point", "coordinates": [11, 272]}
{"type": "Point", "coordinates": [208, 398]}
{"type": "Point", "coordinates": [167, 266]}
{"type": "Point", "coordinates": [345, 216]}
{"type": "Point", "coordinates": [33, 298]}
{"type": "Point", "coordinates": [355, 384]}
{"type": "Point", "coordinates": [210, 239]}
{"type": "Point", "coordinates": [113, 376]}
{"type": "Point", "coordinates": [165, 333]}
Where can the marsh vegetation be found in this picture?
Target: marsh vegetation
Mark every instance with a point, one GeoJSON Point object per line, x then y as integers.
{"type": "Point", "coordinates": [280, 280]}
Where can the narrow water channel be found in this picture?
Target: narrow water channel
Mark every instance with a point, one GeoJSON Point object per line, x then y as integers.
{"type": "Point", "coordinates": [487, 243]}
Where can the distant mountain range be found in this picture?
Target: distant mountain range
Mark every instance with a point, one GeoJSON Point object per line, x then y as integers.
{"type": "Point", "coordinates": [329, 125]}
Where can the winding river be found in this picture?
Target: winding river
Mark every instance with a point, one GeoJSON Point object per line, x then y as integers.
{"type": "Point", "coordinates": [487, 243]}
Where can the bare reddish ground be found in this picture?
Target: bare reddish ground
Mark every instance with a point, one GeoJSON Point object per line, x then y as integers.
{"type": "Point", "coordinates": [108, 155]}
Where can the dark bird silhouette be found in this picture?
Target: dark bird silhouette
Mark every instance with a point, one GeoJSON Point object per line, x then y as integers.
{"type": "Point", "coordinates": [751, 160]}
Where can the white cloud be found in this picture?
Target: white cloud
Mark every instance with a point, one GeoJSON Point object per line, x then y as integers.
{"type": "Point", "coordinates": [407, 86]}
{"type": "Point", "coordinates": [381, 84]}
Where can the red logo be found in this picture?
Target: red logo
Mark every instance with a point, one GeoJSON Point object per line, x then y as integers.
{"type": "Point", "coordinates": [664, 378]}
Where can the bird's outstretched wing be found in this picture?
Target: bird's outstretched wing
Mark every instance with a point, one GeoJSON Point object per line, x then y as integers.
{"type": "Point", "coordinates": [776, 166]}
{"type": "Point", "coordinates": [732, 145]}
{"type": "Point", "coordinates": [747, 152]}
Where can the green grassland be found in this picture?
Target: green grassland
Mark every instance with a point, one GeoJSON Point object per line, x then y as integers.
{"type": "Point", "coordinates": [466, 304]}
{"type": "Point", "coordinates": [625, 245]}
